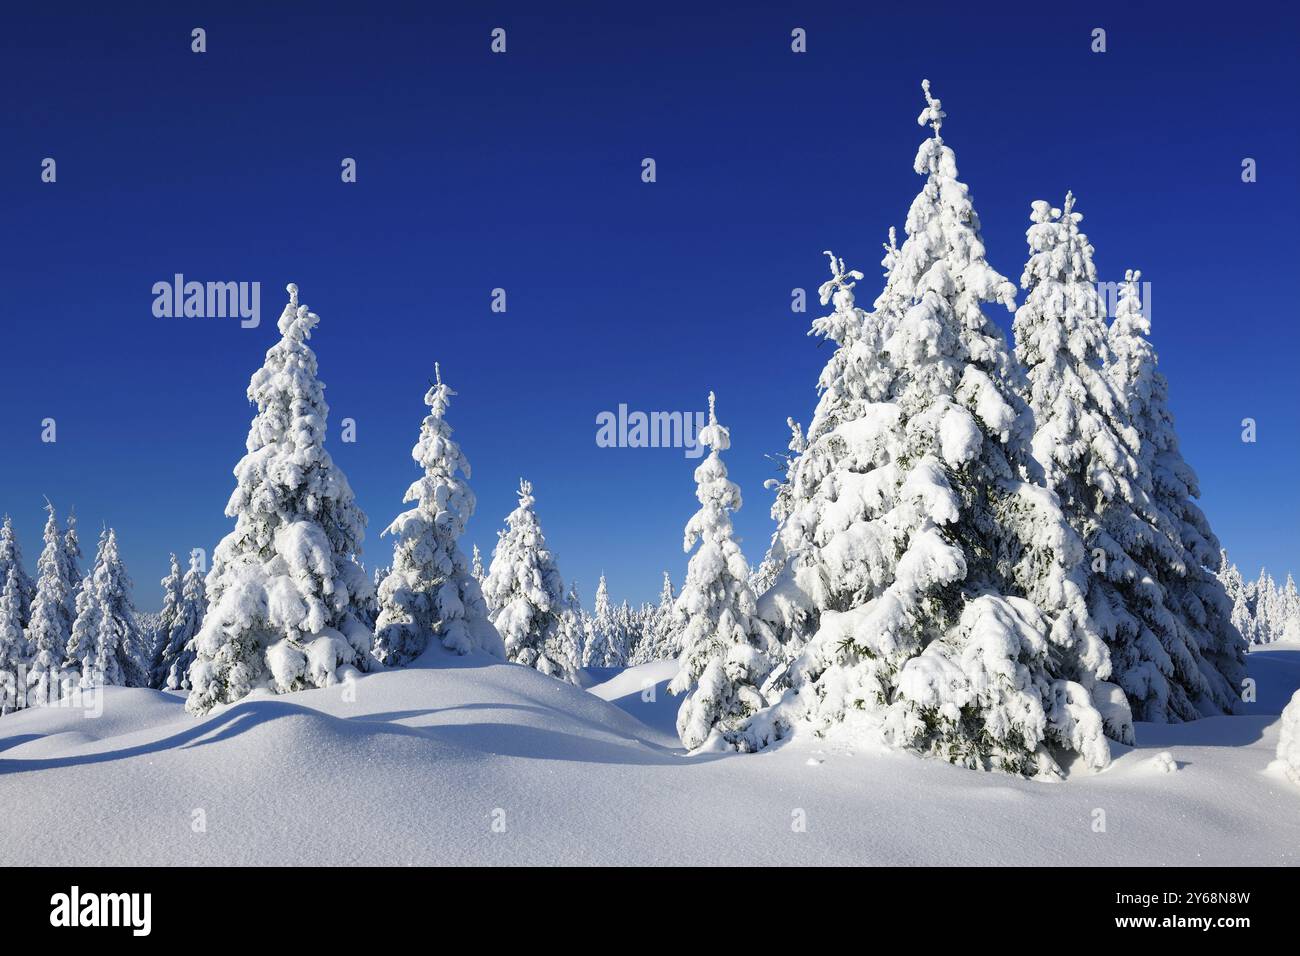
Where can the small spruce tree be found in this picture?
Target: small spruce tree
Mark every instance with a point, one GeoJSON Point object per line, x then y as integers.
{"type": "Point", "coordinates": [430, 593]}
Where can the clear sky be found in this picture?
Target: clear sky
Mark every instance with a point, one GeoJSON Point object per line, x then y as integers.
{"type": "Point", "coordinates": [523, 171]}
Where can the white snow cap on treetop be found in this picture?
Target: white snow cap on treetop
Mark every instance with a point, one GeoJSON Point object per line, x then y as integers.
{"type": "Point", "coordinates": [932, 114]}
{"type": "Point", "coordinates": [714, 436]}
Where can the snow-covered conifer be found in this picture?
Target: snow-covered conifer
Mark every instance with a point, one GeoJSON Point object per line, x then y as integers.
{"type": "Point", "coordinates": [1094, 459]}
{"type": "Point", "coordinates": [172, 586]}
{"type": "Point", "coordinates": [287, 598]}
{"type": "Point", "coordinates": [430, 593]}
{"type": "Point", "coordinates": [629, 626]}
{"type": "Point", "coordinates": [1206, 653]}
{"type": "Point", "coordinates": [1289, 606]}
{"type": "Point", "coordinates": [72, 562]}
{"type": "Point", "coordinates": [51, 622]}
{"type": "Point", "coordinates": [1288, 742]}
{"type": "Point", "coordinates": [476, 566]}
{"type": "Point", "coordinates": [782, 504]}
{"type": "Point", "coordinates": [13, 645]}
{"type": "Point", "coordinates": [1235, 588]}
{"type": "Point", "coordinates": [942, 595]}
{"type": "Point", "coordinates": [726, 647]}
{"type": "Point", "coordinates": [11, 559]}
{"type": "Point", "coordinates": [660, 642]}
{"type": "Point", "coordinates": [106, 644]}
{"type": "Point", "coordinates": [593, 650]}
{"type": "Point", "coordinates": [526, 593]}
{"type": "Point", "coordinates": [178, 647]}
{"type": "Point", "coordinates": [607, 641]}
{"type": "Point", "coordinates": [1268, 623]}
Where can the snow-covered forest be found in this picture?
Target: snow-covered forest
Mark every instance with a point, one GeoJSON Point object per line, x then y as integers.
{"type": "Point", "coordinates": [986, 551]}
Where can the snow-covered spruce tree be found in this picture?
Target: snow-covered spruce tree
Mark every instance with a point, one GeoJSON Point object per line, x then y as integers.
{"type": "Point", "coordinates": [106, 645]}
{"type": "Point", "coordinates": [430, 592]}
{"type": "Point", "coordinates": [607, 638]}
{"type": "Point", "coordinates": [570, 636]}
{"type": "Point", "coordinates": [11, 559]}
{"type": "Point", "coordinates": [855, 377]}
{"type": "Point", "coordinates": [476, 566]}
{"type": "Point", "coordinates": [659, 642]}
{"type": "Point", "coordinates": [13, 645]}
{"type": "Point", "coordinates": [51, 621]}
{"type": "Point", "coordinates": [774, 561]}
{"type": "Point", "coordinates": [286, 596]}
{"type": "Point", "coordinates": [942, 594]}
{"type": "Point", "coordinates": [643, 626]}
{"type": "Point", "coordinates": [1093, 458]}
{"type": "Point", "coordinates": [599, 623]}
{"type": "Point", "coordinates": [1201, 609]}
{"type": "Point", "coordinates": [629, 626]}
{"type": "Point", "coordinates": [178, 648]}
{"type": "Point", "coordinates": [1290, 610]}
{"type": "Point", "coordinates": [172, 586]}
{"type": "Point", "coordinates": [1265, 608]}
{"type": "Point", "coordinates": [726, 647]}
{"type": "Point", "coordinates": [665, 644]}
{"type": "Point", "coordinates": [1235, 588]}
{"type": "Point", "coordinates": [579, 625]}
{"type": "Point", "coordinates": [526, 594]}
{"type": "Point", "coordinates": [72, 561]}
{"type": "Point", "coordinates": [1288, 742]}
{"type": "Point", "coordinates": [573, 600]}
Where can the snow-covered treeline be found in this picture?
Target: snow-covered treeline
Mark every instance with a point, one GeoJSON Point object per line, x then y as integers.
{"type": "Point", "coordinates": [1262, 610]}
{"type": "Point", "coordinates": [64, 632]}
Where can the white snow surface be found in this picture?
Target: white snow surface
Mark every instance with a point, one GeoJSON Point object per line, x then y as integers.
{"type": "Point", "coordinates": [415, 768]}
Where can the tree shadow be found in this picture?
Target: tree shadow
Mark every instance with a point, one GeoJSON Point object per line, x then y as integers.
{"type": "Point", "coordinates": [10, 742]}
{"type": "Point", "coordinates": [1233, 731]}
{"type": "Point", "coordinates": [497, 738]}
{"type": "Point", "coordinates": [671, 754]}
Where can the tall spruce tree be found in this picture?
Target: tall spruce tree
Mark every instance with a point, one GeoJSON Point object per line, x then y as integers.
{"type": "Point", "coordinates": [172, 585]}
{"type": "Point", "coordinates": [607, 638]}
{"type": "Point", "coordinates": [11, 559]}
{"type": "Point", "coordinates": [1208, 655]}
{"type": "Point", "coordinates": [13, 646]}
{"type": "Point", "coordinates": [51, 618]}
{"type": "Point", "coordinates": [430, 592]}
{"type": "Point", "coordinates": [72, 561]}
{"type": "Point", "coordinates": [1235, 588]}
{"type": "Point", "coordinates": [727, 648]}
{"type": "Point", "coordinates": [1093, 458]}
{"type": "Point", "coordinates": [107, 646]}
{"type": "Point", "coordinates": [287, 598]}
{"type": "Point", "coordinates": [941, 593]}
{"type": "Point", "coordinates": [178, 647]}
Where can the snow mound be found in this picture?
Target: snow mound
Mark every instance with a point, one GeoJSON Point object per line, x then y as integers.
{"type": "Point", "coordinates": [1162, 762]}
{"type": "Point", "coordinates": [472, 761]}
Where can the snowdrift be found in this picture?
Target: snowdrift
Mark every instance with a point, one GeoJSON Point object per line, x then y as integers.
{"type": "Point", "coordinates": [467, 761]}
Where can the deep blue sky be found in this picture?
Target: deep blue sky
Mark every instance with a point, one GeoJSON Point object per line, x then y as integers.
{"type": "Point", "coordinates": [523, 171]}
